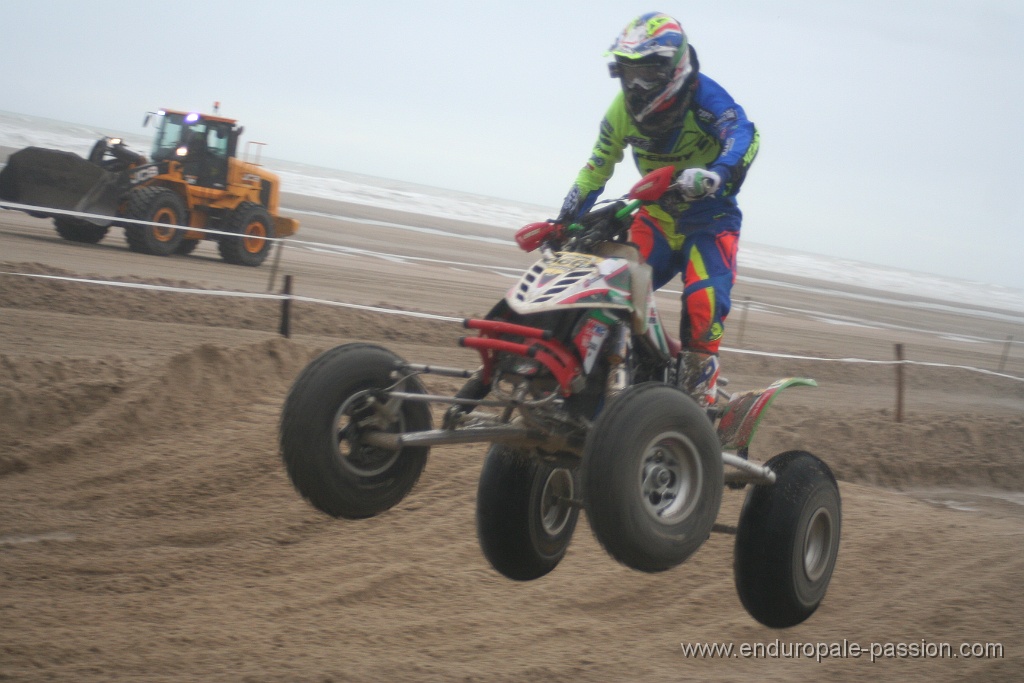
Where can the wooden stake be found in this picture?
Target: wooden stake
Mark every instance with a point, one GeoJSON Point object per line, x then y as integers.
{"type": "Point", "coordinates": [899, 383]}
{"type": "Point", "coordinates": [1006, 353]}
{"type": "Point", "coordinates": [286, 308]}
{"type": "Point", "coordinates": [743, 319]}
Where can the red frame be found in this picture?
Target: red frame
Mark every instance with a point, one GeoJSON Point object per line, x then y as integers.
{"type": "Point", "coordinates": [551, 353]}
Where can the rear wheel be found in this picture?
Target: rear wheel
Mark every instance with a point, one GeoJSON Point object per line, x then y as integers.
{"type": "Point", "coordinates": [652, 477]}
{"type": "Point", "coordinates": [77, 230]}
{"type": "Point", "coordinates": [787, 541]}
{"type": "Point", "coordinates": [524, 513]}
{"type": "Point", "coordinates": [157, 205]}
{"type": "Point", "coordinates": [255, 229]}
{"type": "Point", "coordinates": [338, 399]}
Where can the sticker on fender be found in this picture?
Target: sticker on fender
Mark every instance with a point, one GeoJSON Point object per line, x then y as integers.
{"type": "Point", "coordinates": [569, 261]}
{"type": "Point", "coordinates": [589, 342]}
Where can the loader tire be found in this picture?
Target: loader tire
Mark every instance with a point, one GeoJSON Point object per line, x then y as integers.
{"type": "Point", "coordinates": [76, 230]}
{"type": "Point", "coordinates": [157, 205]}
{"type": "Point", "coordinates": [252, 223]}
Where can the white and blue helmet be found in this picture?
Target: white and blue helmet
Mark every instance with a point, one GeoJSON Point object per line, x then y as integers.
{"type": "Point", "coordinates": [653, 62]}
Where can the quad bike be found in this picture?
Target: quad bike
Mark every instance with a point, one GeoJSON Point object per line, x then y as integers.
{"type": "Point", "coordinates": [577, 395]}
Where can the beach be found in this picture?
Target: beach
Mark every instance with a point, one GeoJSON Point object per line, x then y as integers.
{"type": "Point", "coordinates": [148, 530]}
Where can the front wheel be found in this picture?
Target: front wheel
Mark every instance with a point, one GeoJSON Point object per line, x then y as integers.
{"type": "Point", "coordinates": [652, 477]}
{"type": "Point", "coordinates": [255, 229]}
{"type": "Point", "coordinates": [338, 399]}
{"type": "Point", "coordinates": [525, 516]}
{"type": "Point", "coordinates": [156, 205]}
{"type": "Point", "coordinates": [787, 541]}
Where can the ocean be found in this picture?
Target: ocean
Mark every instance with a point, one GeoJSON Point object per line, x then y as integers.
{"type": "Point", "coordinates": [19, 130]}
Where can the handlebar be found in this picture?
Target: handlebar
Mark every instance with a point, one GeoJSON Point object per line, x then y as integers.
{"type": "Point", "coordinates": [607, 223]}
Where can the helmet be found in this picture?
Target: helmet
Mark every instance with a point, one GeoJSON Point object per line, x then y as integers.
{"type": "Point", "coordinates": [653, 62]}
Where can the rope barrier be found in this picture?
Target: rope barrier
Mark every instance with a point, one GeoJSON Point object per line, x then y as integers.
{"type": "Point", "coordinates": [251, 295]}
{"type": "Point", "coordinates": [284, 241]}
{"type": "Point", "coordinates": [445, 318]}
{"type": "Point", "coordinates": [864, 361]}
{"type": "Point", "coordinates": [414, 314]}
{"type": "Point", "coordinates": [29, 208]}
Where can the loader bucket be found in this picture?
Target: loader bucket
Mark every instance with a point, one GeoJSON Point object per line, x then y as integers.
{"type": "Point", "coordinates": [50, 178]}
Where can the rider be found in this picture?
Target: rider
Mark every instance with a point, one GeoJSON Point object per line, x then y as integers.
{"type": "Point", "coordinates": [672, 114]}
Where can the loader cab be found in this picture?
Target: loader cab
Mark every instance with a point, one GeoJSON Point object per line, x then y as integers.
{"type": "Point", "coordinates": [202, 144]}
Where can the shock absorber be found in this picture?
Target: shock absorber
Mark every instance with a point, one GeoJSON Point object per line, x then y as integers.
{"type": "Point", "coordinates": [618, 361]}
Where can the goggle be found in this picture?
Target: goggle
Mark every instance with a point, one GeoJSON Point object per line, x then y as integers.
{"type": "Point", "coordinates": [642, 76]}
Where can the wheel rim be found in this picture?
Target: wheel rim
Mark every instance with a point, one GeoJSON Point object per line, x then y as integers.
{"type": "Point", "coordinates": [253, 232]}
{"type": "Point", "coordinates": [555, 509]}
{"type": "Point", "coordinates": [168, 216]}
{"type": "Point", "coordinates": [818, 544]}
{"type": "Point", "coordinates": [363, 460]}
{"type": "Point", "coordinates": [671, 477]}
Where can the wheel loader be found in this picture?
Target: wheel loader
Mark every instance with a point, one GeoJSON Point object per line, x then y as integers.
{"type": "Point", "coordinates": [193, 178]}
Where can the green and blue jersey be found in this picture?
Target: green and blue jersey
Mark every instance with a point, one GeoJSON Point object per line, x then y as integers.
{"type": "Point", "coordinates": [715, 135]}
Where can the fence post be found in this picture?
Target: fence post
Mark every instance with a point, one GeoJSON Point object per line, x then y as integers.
{"type": "Point", "coordinates": [899, 382]}
{"type": "Point", "coordinates": [1006, 352]}
{"type": "Point", "coordinates": [286, 308]}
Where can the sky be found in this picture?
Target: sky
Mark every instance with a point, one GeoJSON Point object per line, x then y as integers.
{"type": "Point", "coordinates": [892, 131]}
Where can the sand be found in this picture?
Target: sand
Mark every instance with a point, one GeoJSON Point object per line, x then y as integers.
{"type": "Point", "coordinates": [148, 530]}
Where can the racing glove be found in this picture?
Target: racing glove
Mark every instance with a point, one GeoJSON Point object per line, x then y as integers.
{"type": "Point", "coordinates": [571, 206]}
{"type": "Point", "coordinates": [576, 204]}
{"type": "Point", "coordinates": [697, 183]}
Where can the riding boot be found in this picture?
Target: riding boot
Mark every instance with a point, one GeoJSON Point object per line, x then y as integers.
{"type": "Point", "coordinates": [697, 375]}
